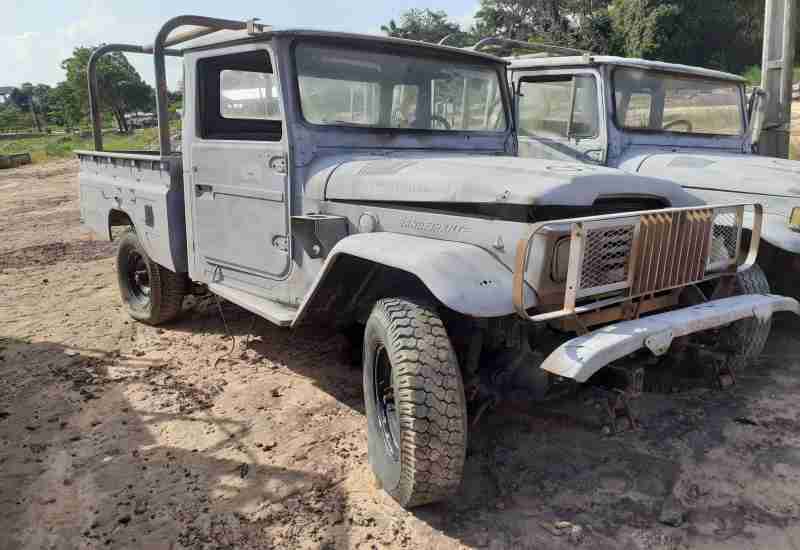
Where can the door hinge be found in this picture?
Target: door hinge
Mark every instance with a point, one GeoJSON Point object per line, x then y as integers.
{"type": "Point", "coordinates": [281, 242]}
{"type": "Point", "coordinates": [278, 164]}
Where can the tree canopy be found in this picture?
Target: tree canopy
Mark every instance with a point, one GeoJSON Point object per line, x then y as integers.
{"type": "Point", "coordinates": [121, 89]}
{"type": "Point", "coordinates": [426, 25]}
{"type": "Point", "coordinates": [725, 34]}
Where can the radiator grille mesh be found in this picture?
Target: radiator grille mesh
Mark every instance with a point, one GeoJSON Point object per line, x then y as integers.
{"type": "Point", "coordinates": [606, 260]}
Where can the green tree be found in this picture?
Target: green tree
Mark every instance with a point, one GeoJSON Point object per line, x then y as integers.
{"type": "Point", "coordinates": [694, 32]}
{"type": "Point", "coordinates": [65, 106]}
{"type": "Point", "coordinates": [32, 99]}
{"type": "Point", "coordinates": [521, 19]}
{"type": "Point", "coordinates": [426, 25]}
{"type": "Point", "coordinates": [584, 24]}
{"type": "Point", "coordinates": [12, 118]}
{"type": "Point", "coordinates": [121, 89]}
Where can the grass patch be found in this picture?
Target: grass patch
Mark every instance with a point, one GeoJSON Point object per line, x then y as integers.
{"type": "Point", "coordinates": [59, 146]}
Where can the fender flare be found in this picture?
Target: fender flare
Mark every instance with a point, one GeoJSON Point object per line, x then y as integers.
{"type": "Point", "coordinates": [463, 277]}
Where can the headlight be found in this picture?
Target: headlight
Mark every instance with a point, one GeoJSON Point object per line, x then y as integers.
{"type": "Point", "coordinates": [794, 219]}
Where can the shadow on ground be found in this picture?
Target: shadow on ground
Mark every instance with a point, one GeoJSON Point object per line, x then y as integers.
{"type": "Point", "coordinates": [80, 466]}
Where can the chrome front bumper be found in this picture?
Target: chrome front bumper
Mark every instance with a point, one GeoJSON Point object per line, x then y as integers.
{"type": "Point", "coordinates": [583, 356]}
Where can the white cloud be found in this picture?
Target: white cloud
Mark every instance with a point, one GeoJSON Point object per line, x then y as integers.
{"type": "Point", "coordinates": [468, 19]}
{"type": "Point", "coordinates": [35, 56]}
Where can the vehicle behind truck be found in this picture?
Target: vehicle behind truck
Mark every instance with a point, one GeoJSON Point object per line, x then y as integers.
{"type": "Point", "coordinates": [371, 183]}
{"type": "Point", "coordinates": [697, 127]}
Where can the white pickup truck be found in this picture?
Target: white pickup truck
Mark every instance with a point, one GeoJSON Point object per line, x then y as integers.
{"type": "Point", "coordinates": [370, 182]}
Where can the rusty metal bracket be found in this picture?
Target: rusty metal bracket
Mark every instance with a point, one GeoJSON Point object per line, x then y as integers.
{"type": "Point", "coordinates": [619, 415]}
{"type": "Point", "coordinates": [721, 375]}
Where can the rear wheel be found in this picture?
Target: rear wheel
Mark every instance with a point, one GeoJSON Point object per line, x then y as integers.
{"type": "Point", "coordinates": [414, 396]}
{"type": "Point", "coordinates": [152, 294]}
{"type": "Point", "coordinates": [746, 338]}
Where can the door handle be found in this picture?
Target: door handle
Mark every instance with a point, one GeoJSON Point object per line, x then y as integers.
{"type": "Point", "coordinates": [201, 189]}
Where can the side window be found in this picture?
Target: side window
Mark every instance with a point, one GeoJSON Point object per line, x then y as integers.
{"type": "Point", "coordinates": [248, 95]}
{"type": "Point", "coordinates": [559, 106]}
{"type": "Point", "coordinates": [239, 98]}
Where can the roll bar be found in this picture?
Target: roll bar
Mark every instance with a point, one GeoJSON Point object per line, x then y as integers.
{"type": "Point", "coordinates": [160, 49]}
{"type": "Point", "coordinates": [537, 47]}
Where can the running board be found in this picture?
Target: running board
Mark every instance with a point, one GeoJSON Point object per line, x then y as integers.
{"type": "Point", "coordinates": [273, 312]}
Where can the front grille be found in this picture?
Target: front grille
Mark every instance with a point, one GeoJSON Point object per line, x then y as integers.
{"type": "Point", "coordinates": [607, 259]}
{"type": "Point", "coordinates": [672, 250]}
{"type": "Point", "coordinates": [654, 251]}
{"type": "Point", "coordinates": [630, 256]}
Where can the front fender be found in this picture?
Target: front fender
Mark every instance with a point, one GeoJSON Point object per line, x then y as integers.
{"type": "Point", "coordinates": [775, 231]}
{"type": "Point", "coordinates": [463, 277]}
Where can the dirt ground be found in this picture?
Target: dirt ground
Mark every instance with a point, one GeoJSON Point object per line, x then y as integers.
{"type": "Point", "coordinates": [118, 435]}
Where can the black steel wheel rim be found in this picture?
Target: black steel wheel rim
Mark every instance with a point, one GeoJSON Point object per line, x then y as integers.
{"type": "Point", "coordinates": [138, 277]}
{"type": "Point", "coordinates": [385, 404]}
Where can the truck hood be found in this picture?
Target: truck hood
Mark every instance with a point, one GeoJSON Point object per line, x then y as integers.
{"type": "Point", "coordinates": [503, 180]}
{"type": "Point", "coordinates": [759, 176]}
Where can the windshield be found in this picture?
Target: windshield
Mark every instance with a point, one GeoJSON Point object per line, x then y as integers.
{"type": "Point", "coordinates": [350, 87]}
{"type": "Point", "coordinates": [664, 102]}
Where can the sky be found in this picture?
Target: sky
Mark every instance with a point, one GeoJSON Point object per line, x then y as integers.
{"type": "Point", "coordinates": [36, 35]}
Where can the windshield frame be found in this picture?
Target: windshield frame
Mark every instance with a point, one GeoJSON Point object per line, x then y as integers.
{"type": "Point", "coordinates": [684, 76]}
{"type": "Point", "coordinates": [412, 51]}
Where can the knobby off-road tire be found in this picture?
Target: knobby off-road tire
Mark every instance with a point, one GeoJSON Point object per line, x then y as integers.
{"type": "Point", "coordinates": [152, 294]}
{"type": "Point", "coordinates": [746, 338]}
{"type": "Point", "coordinates": [416, 410]}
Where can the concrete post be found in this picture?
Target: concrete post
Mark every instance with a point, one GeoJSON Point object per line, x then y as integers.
{"type": "Point", "coordinates": [776, 76]}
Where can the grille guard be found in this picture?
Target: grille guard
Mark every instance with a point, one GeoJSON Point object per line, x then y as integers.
{"type": "Point", "coordinates": [621, 257]}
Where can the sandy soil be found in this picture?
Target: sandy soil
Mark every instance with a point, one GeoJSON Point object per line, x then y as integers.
{"type": "Point", "coordinates": [118, 435]}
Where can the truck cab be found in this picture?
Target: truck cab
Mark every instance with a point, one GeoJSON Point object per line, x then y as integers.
{"type": "Point", "coordinates": [372, 183]}
{"type": "Point", "coordinates": [691, 125]}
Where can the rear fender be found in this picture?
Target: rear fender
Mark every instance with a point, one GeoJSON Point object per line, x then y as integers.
{"type": "Point", "coordinates": [463, 277]}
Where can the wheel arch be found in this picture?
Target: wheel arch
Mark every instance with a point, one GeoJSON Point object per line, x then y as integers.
{"type": "Point", "coordinates": [364, 268]}
{"type": "Point", "coordinates": [118, 218]}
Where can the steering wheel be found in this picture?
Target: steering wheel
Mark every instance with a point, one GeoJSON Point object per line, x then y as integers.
{"type": "Point", "coordinates": [684, 122]}
{"type": "Point", "coordinates": [441, 119]}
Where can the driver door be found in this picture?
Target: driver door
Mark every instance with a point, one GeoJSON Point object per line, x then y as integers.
{"type": "Point", "coordinates": [238, 172]}
{"type": "Point", "coordinates": [560, 115]}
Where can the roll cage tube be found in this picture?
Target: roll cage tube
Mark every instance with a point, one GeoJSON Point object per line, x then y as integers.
{"type": "Point", "coordinates": [159, 49]}
{"type": "Point", "coordinates": [536, 47]}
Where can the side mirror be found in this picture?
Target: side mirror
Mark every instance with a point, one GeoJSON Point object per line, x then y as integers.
{"type": "Point", "coordinates": [756, 110]}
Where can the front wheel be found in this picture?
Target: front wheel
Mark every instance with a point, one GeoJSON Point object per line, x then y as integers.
{"type": "Point", "coordinates": [415, 405]}
{"type": "Point", "coordinates": [152, 294]}
{"type": "Point", "coordinates": [745, 339]}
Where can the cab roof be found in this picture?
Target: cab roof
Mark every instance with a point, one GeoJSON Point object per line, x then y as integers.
{"type": "Point", "coordinates": [221, 38]}
{"type": "Point", "coordinates": [529, 62]}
